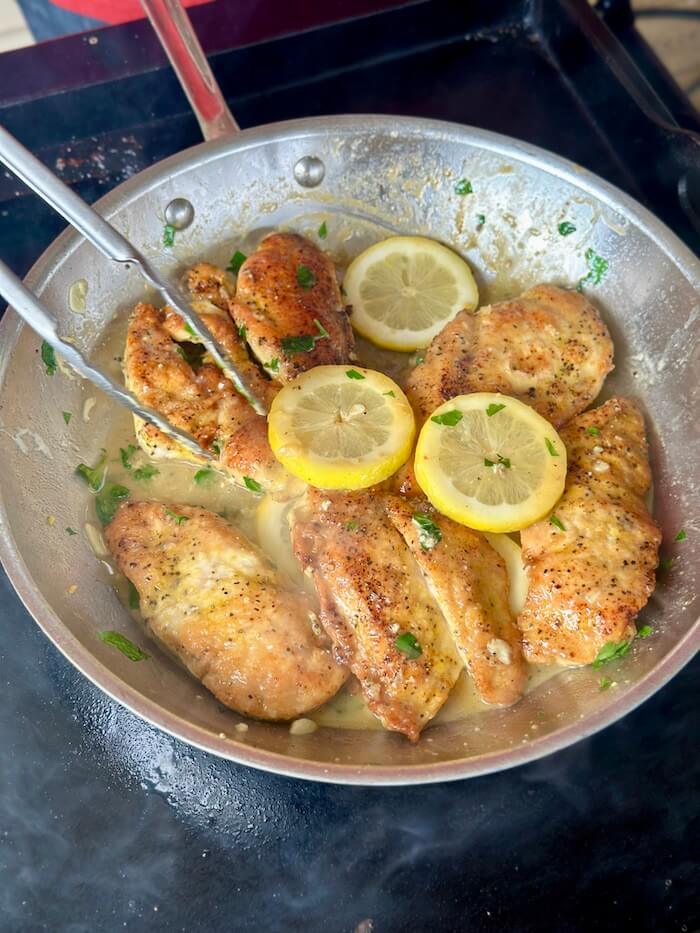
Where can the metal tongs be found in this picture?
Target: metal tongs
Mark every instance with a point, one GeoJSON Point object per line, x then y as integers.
{"type": "Point", "coordinates": [114, 245]}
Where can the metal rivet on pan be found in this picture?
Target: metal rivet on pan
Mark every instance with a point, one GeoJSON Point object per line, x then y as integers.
{"type": "Point", "coordinates": [179, 213]}
{"type": "Point", "coordinates": [309, 171]}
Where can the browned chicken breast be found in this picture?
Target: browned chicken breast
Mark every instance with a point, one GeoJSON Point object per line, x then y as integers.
{"type": "Point", "coordinates": [469, 583]}
{"type": "Point", "coordinates": [548, 348]}
{"type": "Point", "coordinates": [589, 579]}
{"type": "Point", "coordinates": [212, 598]}
{"type": "Point", "coordinates": [374, 602]}
{"type": "Point", "coordinates": [289, 302]}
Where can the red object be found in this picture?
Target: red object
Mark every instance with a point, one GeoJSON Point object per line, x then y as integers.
{"type": "Point", "coordinates": [112, 11]}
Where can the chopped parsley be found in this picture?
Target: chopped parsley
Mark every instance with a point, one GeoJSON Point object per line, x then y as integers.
{"type": "Point", "coordinates": [146, 472]}
{"type": "Point", "coordinates": [71, 531]}
{"type": "Point", "coordinates": [557, 522]}
{"type": "Point", "coordinates": [242, 331]}
{"type": "Point", "coordinates": [216, 447]}
{"type": "Point", "coordinates": [681, 536]}
{"type": "Point", "coordinates": [428, 532]}
{"type": "Point", "coordinates": [67, 415]}
{"type": "Point", "coordinates": [298, 344]}
{"type": "Point", "coordinates": [644, 631]}
{"type": "Point", "coordinates": [252, 484]}
{"type": "Point", "coordinates": [236, 261]}
{"type": "Point", "coordinates": [93, 476]}
{"type": "Point", "coordinates": [604, 683]}
{"type": "Point", "coordinates": [323, 231]}
{"type": "Point", "coordinates": [419, 358]}
{"type": "Point", "coordinates": [502, 461]}
{"type": "Point", "coordinates": [273, 365]}
{"type": "Point", "coordinates": [597, 270]}
{"type": "Point", "coordinates": [494, 408]}
{"type": "Point", "coordinates": [178, 519]}
{"type": "Point", "coordinates": [190, 330]}
{"type": "Point", "coordinates": [480, 221]}
{"type": "Point", "coordinates": [107, 501]}
{"type": "Point", "coordinates": [123, 644]}
{"type": "Point", "coordinates": [611, 652]}
{"type": "Point", "coordinates": [201, 477]}
{"type": "Point", "coordinates": [351, 526]}
{"type": "Point", "coordinates": [48, 358]}
{"type": "Point", "coordinates": [448, 418]}
{"type": "Point", "coordinates": [408, 644]}
{"type": "Point", "coordinates": [593, 431]}
{"type": "Point", "coordinates": [168, 235]}
{"type": "Point", "coordinates": [463, 186]}
{"type": "Point", "coordinates": [133, 596]}
{"type": "Point", "coordinates": [125, 456]}
{"type": "Point", "coordinates": [353, 374]}
{"type": "Point", "coordinates": [665, 563]}
{"type": "Point", "coordinates": [566, 227]}
{"type": "Point", "coordinates": [551, 448]}
{"type": "Point", "coordinates": [305, 277]}
{"type": "Point", "coordinates": [390, 393]}
{"type": "Point", "coordinates": [321, 329]}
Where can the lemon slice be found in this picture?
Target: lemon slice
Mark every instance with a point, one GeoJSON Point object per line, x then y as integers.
{"type": "Point", "coordinates": [405, 289]}
{"type": "Point", "coordinates": [490, 462]}
{"type": "Point", "coordinates": [513, 559]}
{"type": "Point", "coordinates": [341, 427]}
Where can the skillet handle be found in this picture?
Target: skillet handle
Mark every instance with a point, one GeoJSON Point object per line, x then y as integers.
{"type": "Point", "coordinates": [177, 36]}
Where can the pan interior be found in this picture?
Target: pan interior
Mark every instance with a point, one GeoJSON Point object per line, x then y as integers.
{"type": "Point", "coordinates": [379, 179]}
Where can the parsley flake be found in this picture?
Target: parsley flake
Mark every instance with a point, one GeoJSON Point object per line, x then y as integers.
{"type": "Point", "coordinates": [93, 476]}
{"type": "Point", "coordinates": [502, 461]}
{"type": "Point", "coordinates": [463, 186]}
{"type": "Point", "coordinates": [681, 536]}
{"type": "Point", "coordinates": [107, 501]}
{"type": "Point", "coordinates": [71, 531]}
{"type": "Point", "coordinates": [351, 526]}
{"type": "Point", "coordinates": [428, 532]}
{"type": "Point", "coordinates": [665, 563]}
{"type": "Point", "coordinates": [67, 415]}
{"type": "Point", "coordinates": [134, 600]}
{"type": "Point", "coordinates": [557, 522]}
{"type": "Point", "coordinates": [301, 344]}
{"type": "Point", "coordinates": [201, 477]}
{"type": "Point", "coordinates": [273, 365]}
{"type": "Point", "coordinates": [321, 329]}
{"type": "Point", "coordinates": [178, 519]}
{"type": "Point", "coordinates": [597, 270]}
{"type": "Point", "coordinates": [494, 408]}
{"type": "Point", "coordinates": [168, 235]}
{"type": "Point", "coordinates": [123, 644]}
{"type": "Point", "coordinates": [480, 221]}
{"type": "Point", "coordinates": [305, 277]}
{"type": "Point", "coordinates": [216, 447]}
{"type": "Point", "coordinates": [604, 683]}
{"type": "Point", "coordinates": [146, 472]}
{"type": "Point", "coordinates": [323, 231]}
{"type": "Point", "coordinates": [611, 652]}
{"type": "Point", "coordinates": [419, 358]}
{"type": "Point", "coordinates": [565, 228]}
{"type": "Point", "coordinates": [125, 455]}
{"type": "Point", "coordinates": [551, 448]}
{"type": "Point", "coordinates": [252, 484]}
{"type": "Point", "coordinates": [242, 331]}
{"type": "Point", "coordinates": [190, 330]}
{"type": "Point", "coordinates": [353, 374]}
{"type": "Point", "coordinates": [644, 631]}
{"type": "Point", "coordinates": [48, 358]}
{"type": "Point", "coordinates": [408, 644]}
{"type": "Point", "coordinates": [390, 393]}
{"type": "Point", "coordinates": [236, 261]}
{"type": "Point", "coordinates": [593, 431]}
{"type": "Point", "coordinates": [448, 418]}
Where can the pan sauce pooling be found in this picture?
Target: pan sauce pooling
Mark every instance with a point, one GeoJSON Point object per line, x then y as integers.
{"type": "Point", "coordinates": [404, 606]}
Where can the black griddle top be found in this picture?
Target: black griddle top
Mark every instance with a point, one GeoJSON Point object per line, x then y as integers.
{"type": "Point", "coordinates": [107, 824]}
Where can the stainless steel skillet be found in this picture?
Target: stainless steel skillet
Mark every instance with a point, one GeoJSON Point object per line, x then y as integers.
{"type": "Point", "coordinates": [398, 174]}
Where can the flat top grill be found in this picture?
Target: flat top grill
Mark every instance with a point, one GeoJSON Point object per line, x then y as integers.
{"type": "Point", "coordinates": [106, 823]}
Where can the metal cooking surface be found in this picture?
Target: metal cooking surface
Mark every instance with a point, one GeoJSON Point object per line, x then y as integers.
{"type": "Point", "coordinates": [109, 822]}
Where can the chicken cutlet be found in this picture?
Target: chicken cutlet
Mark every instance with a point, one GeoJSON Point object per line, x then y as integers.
{"type": "Point", "coordinates": [215, 601]}
{"type": "Point", "coordinates": [468, 580]}
{"type": "Point", "coordinates": [591, 566]}
{"type": "Point", "coordinates": [289, 303]}
{"type": "Point", "coordinates": [374, 602]}
{"type": "Point", "coordinates": [549, 348]}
